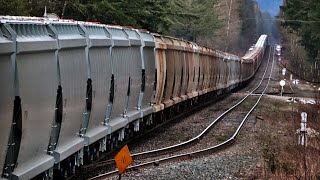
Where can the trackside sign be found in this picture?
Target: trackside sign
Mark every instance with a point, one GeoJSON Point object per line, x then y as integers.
{"type": "Point", "coordinates": [123, 159]}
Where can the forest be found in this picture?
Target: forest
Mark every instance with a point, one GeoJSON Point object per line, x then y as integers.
{"type": "Point", "coordinates": [182, 18]}
{"type": "Point", "coordinates": [303, 17]}
{"type": "Point", "coordinates": [202, 21]}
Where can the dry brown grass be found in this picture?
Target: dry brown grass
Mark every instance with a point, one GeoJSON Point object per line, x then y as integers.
{"type": "Point", "coordinates": [282, 157]}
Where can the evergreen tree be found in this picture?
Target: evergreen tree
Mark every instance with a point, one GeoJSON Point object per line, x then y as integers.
{"type": "Point", "coordinates": [13, 7]}
{"type": "Point", "coordinates": [193, 19]}
{"type": "Point", "coordinates": [304, 17]}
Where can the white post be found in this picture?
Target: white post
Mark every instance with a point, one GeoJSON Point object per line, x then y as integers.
{"type": "Point", "coordinates": [282, 83]}
{"type": "Point", "coordinates": [284, 72]}
{"type": "Point", "coordinates": [303, 129]}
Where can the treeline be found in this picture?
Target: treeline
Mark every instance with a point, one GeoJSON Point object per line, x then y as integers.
{"type": "Point", "coordinates": [303, 17]}
{"type": "Point", "coordinates": [147, 14]}
{"type": "Point", "coordinates": [250, 16]}
{"type": "Point", "coordinates": [188, 19]}
{"type": "Point", "coordinates": [194, 19]}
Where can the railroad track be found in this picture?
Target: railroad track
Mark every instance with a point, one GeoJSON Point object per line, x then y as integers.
{"type": "Point", "coordinates": [152, 153]}
{"type": "Point", "coordinates": [263, 88]}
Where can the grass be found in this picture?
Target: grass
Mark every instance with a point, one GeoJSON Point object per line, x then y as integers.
{"type": "Point", "coordinates": [225, 136]}
{"type": "Point", "coordinates": [283, 158]}
{"type": "Point", "coordinates": [249, 103]}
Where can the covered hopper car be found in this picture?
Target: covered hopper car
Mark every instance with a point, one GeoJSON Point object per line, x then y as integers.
{"type": "Point", "coordinates": [71, 89]}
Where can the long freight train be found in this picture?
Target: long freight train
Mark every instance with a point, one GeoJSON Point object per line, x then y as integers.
{"type": "Point", "coordinates": [71, 90]}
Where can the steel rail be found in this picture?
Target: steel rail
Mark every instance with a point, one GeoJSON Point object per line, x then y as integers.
{"type": "Point", "coordinates": [99, 163]}
{"type": "Point", "coordinates": [199, 136]}
{"type": "Point", "coordinates": [213, 148]}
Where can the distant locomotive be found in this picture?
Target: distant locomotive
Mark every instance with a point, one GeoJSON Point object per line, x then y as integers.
{"type": "Point", "coordinates": [73, 89]}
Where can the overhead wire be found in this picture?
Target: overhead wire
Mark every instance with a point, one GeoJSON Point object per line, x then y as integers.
{"type": "Point", "coordinates": [284, 20]}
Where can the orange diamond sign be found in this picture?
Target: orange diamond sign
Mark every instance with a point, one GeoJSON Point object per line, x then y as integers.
{"type": "Point", "coordinates": [123, 159]}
